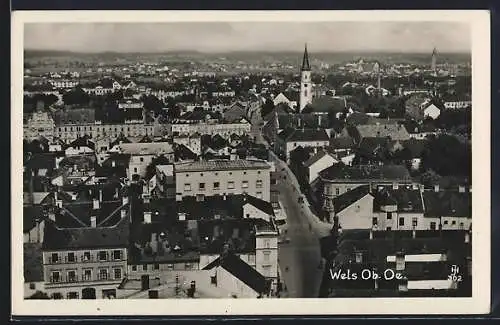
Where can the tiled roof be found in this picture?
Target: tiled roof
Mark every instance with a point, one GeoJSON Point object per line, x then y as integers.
{"type": "Point", "coordinates": [216, 165]}
{"type": "Point", "coordinates": [346, 199]}
{"type": "Point", "coordinates": [407, 200]}
{"type": "Point", "coordinates": [366, 173]}
{"type": "Point", "coordinates": [325, 104]}
{"type": "Point", "coordinates": [394, 131]}
{"type": "Point", "coordinates": [33, 262]}
{"type": "Point", "coordinates": [153, 148]}
{"type": "Point", "coordinates": [183, 153]}
{"type": "Point", "coordinates": [241, 270]}
{"type": "Point", "coordinates": [342, 143]}
{"type": "Point", "coordinates": [260, 204]}
{"type": "Point", "coordinates": [304, 135]}
{"type": "Point", "coordinates": [86, 238]}
{"type": "Point", "coordinates": [74, 116]}
{"type": "Point", "coordinates": [447, 203]}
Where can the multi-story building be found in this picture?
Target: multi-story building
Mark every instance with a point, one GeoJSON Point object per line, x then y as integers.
{"type": "Point", "coordinates": [142, 154]}
{"type": "Point", "coordinates": [64, 84]}
{"type": "Point", "coordinates": [224, 129]}
{"type": "Point", "coordinates": [223, 177]}
{"type": "Point", "coordinates": [87, 263]}
{"type": "Point", "coordinates": [40, 123]}
{"type": "Point", "coordinates": [290, 139]}
{"type": "Point", "coordinates": [191, 141]}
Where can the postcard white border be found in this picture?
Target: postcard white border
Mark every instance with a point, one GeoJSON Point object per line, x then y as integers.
{"type": "Point", "coordinates": [478, 304]}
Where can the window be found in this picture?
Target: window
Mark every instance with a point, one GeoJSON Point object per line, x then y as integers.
{"type": "Point", "coordinates": [216, 174]}
{"type": "Point", "coordinates": [216, 185]}
{"type": "Point", "coordinates": [244, 173]}
{"type": "Point", "coordinates": [145, 267]}
{"type": "Point", "coordinates": [118, 273]}
{"type": "Point", "coordinates": [401, 221]}
{"type": "Point", "coordinates": [389, 228]}
{"type": "Point", "coordinates": [201, 186]}
{"type": "Point", "coordinates": [258, 183]}
{"type": "Point", "coordinates": [213, 279]}
{"type": "Point", "coordinates": [103, 274]}
{"type": "Point", "coordinates": [71, 276]}
{"type": "Point", "coordinates": [266, 270]}
{"type": "Point", "coordinates": [201, 174]}
{"type": "Point", "coordinates": [156, 266]}
{"type": "Point", "coordinates": [337, 191]}
{"type": "Point", "coordinates": [258, 195]}
{"type": "Point", "coordinates": [230, 173]}
{"type": "Point", "coordinates": [187, 175]}
{"type": "Point", "coordinates": [134, 267]}
{"type": "Point", "coordinates": [389, 215]}
{"type": "Point", "coordinates": [56, 277]}
{"type": "Point", "coordinates": [188, 266]}
{"type": "Point", "coordinates": [445, 222]}
{"type": "Point", "coordinates": [230, 185]}
{"type": "Point", "coordinates": [57, 295]}
{"type": "Point", "coordinates": [267, 255]}
{"type": "Point", "coordinates": [267, 243]}
{"type": "Point", "coordinates": [251, 259]}
{"type": "Point", "coordinates": [374, 221]}
{"type": "Point", "coordinates": [433, 226]}
{"type": "Point", "coordinates": [55, 258]}
{"type": "Point", "coordinates": [141, 159]}
{"type": "Point", "coordinates": [187, 187]}
{"type": "Point", "coordinates": [103, 256]}
{"type": "Point", "coordinates": [117, 255]}
{"type": "Point", "coordinates": [87, 275]}
{"type": "Point", "coordinates": [32, 286]}
{"type": "Point", "coordinates": [170, 267]}
{"type": "Point", "coordinates": [453, 222]}
{"type": "Point", "coordinates": [86, 256]}
{"type": "Point", "coordinates": [258, 172]}
{"type": "Point", "coordinates": [461, 225]}
{"type": "Point", "coordinates": [244, 184]}
{"type": "Point", "coordinates": [414, 222]}
{"type": "Point", "coordinates": [71, 257]}
{"type": "Point", "coordinates": [135, 169]}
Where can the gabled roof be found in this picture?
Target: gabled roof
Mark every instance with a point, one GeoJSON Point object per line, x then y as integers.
{"type": "Point", "coordinates": [82, 142]}
{"type": "Point", "coordinates": [313, 159]}
{"type": "Point", "coordinates": [242, 271]}
{"type": "Point", "coordinates": [86, 238]}
{"type": "Point", "coordinates": [407, 200]}
{"type": "Point", "coordinates": [394, 131]}
{"type": "Point", "coordinates": [182, 152]}
{"type": "Point", "coordinates": [297, 135]}
{"type": "Point", "coordinates": [342, 143]}
{"type": "Point", "coordinates": [260, 204]}
{"type": "Point", "coordinates": [348, 198]}
{"type": "Point", "coordinates": [325, 104]}
{"type": "Point", "coordinates": [447, 203]}
{"type": "Point", "coordinates": [366, 173]}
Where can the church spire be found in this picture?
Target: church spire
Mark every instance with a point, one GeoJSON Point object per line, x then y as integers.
{"type": "Point", "coordinates": [305, 61]}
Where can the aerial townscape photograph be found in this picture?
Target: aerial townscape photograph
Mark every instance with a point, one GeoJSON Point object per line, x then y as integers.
{"type": "Point", "coordinates": [272, 160]}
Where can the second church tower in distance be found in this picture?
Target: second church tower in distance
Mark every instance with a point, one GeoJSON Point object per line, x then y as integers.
{"type": "Point", "coordinates": [305, 82]}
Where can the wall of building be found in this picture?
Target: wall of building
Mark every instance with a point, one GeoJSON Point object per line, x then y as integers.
{"type": "Point", "coordinates": [266, 256]}
{"type": "Point", "coordinates": [70, 132]}
{"type": "Point", "coordinates": [212, 129]}
{"type": "Point", "coordinates": [358, 215]}
{"type": "Point", "coordinates": [234, 285]}
{"type": "Point", "coordinates": [31, 287]}
{"type": "Point", "coordinates": [257, 183]}
{"type": "Point", "coordinates": [325, 162]}
{"type": "Point", "coordinates": [249, 211]}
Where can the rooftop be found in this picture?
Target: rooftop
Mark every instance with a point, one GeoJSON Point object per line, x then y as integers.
{"type": "Point", "coordinates": [345, 173]}
{"type": "Point", "coordinates": [216, 165]}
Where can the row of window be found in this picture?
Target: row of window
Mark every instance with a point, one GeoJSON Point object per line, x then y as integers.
{"type": "Point", "coordinates": [70, 257]}
{"type": "Point", "coordinates": [216, 185]}
{"type": "Point", "coordinates": [98, 128]}
{"type": "Point", "coordinates": [156, 266]}
{"type": "Point", "coordinates": [414, 222]}
{"type": "Point", "coordinates": [71, 275]}
{"type": "Point", "coordinates": [230, 173]}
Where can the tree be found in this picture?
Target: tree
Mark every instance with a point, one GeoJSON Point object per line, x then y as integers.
{"type": "Point", "coordinates": [173, 112]}
{"type": "Point", "coordinates": [153, 104]}
{"type": "Point", "coordinates": [77, 96]}
{"type": "Point", "coordinates": [447, 156]}
{"type": "Point", "coordinates": [429, 178]}
{"type": "Point", "coordinates": [267, 107]}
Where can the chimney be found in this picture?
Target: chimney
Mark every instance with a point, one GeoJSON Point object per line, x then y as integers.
{"type": "Point", "coordinates": [371, 234]}
{"type": "Point", "coordinates": [154, 242]}
{"type": "Point", "coordinates": [52, 216]}
{"type": "Point", "coordinates": [56, 196]}
{"type": "Point", "coordinates": [100, 195]}
{"type": "Point", "coordinates": [467, 237]}
{"type": "Point", "coordinates": [395, 186]}
{"type": "Point", "coordinates": [436, 188]}
{"type": "Point", "coordinates": [123, 213]}
{"type": "Point", "coordinates": [359, 257]}
{"type": "Point", "coordinates": [461, 189]}
{"type": "Point", "coordinates": [93, 221]}
{"type": "Point", "coordinates": [113, 163]}
{"type": "Point", "coordinates": [414, 234]}
{"type": "Point", "coordinates": [147, 217]}
{"type": "Point", "coordinates": [319, 120]}
{"type": "Point", "coordinates": [95, 204]}
{"type": "Point", "coordinates": [59, 203]}
{"type": "Point", "coordinates": [415, 186]}
{"type": "Point", "coordinates": [224, 197]}
{"type": "Point", "coordinates": [421, 188]}
{"type": "Point", "coordinates": [182, 216]}
{"type": "Point", "coordinates": [116, 192]}
{"type": "Point", "coordinates": [124, 200]}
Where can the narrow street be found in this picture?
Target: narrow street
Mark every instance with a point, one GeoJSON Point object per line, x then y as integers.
{"type": "Point", "coordinates": [300, 258]}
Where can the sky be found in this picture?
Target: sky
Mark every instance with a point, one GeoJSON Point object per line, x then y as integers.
{"type": "Point", "coordinates": [245, 36]}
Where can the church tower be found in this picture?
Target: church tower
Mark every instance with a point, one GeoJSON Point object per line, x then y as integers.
{"type": "Point", "coordinates": [433, 61]}
{"type": "Point", "coordinates": [305, 82]}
